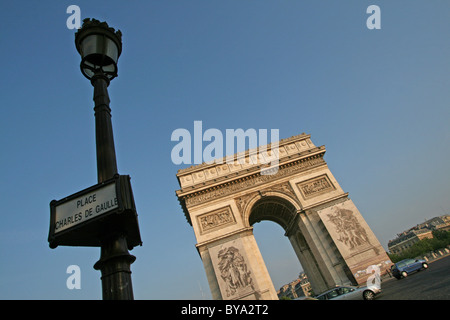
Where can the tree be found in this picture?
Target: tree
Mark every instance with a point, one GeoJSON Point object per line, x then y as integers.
{"type": "Point", "coordinates": [441, 239]}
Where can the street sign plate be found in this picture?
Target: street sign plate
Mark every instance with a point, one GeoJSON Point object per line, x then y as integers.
{"type": "Point", "coordinates": [85, 207]}
{"type": "Point", "coordinates": [88, 216]}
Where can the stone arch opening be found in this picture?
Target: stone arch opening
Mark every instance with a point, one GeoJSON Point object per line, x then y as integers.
{"type": "Point", "coordinates": [282, 210]}
{"type": "Point", "coordinates": [271, 217]}
{"type": "Point", "coordinates": [273, 208]}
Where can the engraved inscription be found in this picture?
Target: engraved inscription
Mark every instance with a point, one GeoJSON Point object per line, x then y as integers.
{"type": "Point", "coordinates": [315, 187]}
{"type": "Point", "coordinates": [215, 219]}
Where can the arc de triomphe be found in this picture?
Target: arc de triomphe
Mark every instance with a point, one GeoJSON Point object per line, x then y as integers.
{"type": "Point", "coordinates": [222, 201]}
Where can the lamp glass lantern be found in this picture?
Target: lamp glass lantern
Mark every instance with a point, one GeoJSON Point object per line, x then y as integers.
{"type": "Point", "coordinates": [100, 47]}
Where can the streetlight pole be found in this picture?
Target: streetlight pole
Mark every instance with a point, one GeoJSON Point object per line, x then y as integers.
{"type": "Point", "coordinates": [100, 47]}
{"type": "Point", "coordinates": [115, 260]}
{"type": "Point", "coordinates": [106, 154]}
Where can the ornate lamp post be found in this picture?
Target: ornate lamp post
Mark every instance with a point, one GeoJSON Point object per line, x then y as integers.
{"type": "Point", "coordinates": [100, 47]}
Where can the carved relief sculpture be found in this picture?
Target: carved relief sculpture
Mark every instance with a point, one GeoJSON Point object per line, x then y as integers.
{"type": "Point", "coordinates": [315, 187]}
{"type": "Point", "coordinates": [350, 231]}
{"type": "Point", "coordinates": [233, 271]}
{"type": "Point", "coordinates": [215, 219]}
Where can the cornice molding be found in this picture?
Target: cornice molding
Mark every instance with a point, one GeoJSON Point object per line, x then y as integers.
{"type": "Point", "coordinates": [253, 171]}
{"type": "Point", "coordinates": [193, 198]}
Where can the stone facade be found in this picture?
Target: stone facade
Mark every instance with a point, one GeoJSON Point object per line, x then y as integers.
{"type": "Point", "coordinates": [222, 201]}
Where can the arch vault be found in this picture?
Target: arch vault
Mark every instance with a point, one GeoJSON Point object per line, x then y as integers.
{"type": "Point", "coordinates": [222, 201]}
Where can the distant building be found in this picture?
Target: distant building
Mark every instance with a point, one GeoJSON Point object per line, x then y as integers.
{"type": "Point", "coordinates": [300, 287]}
{"type": "Point", "coordinates": [304, 287]}
{"type": "Point", "coordinates": [421, 231]}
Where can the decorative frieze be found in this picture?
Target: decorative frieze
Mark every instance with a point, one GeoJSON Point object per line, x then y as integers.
{"type": "Point", "coordinates": [206, 173]}
{"type": "Point", "coordinates": [215, 219]}
{"type": "Point", "coordinates": [314, 187]}
{"type": "Point", "coordinates": [252, 181]}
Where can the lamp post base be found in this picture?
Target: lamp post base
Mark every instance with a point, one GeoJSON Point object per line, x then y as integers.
{"type": "Point", "coordinates": [114, 263]}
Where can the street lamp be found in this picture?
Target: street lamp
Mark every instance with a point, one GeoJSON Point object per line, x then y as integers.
{"type": "Point", "coordinates": [100, 47]}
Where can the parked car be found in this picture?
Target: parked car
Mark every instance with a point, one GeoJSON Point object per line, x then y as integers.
{"type": "Point", "coordinates": [402, 268]}
{"type": "Point", "coordinates": [350, 293]}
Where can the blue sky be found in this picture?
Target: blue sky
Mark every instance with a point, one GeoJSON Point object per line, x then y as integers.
{"type": "Point", "coordinates": [379, 101]}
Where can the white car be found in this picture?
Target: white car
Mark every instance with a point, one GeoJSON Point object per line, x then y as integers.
{"type": "Point", "coordinates": [350, 293]}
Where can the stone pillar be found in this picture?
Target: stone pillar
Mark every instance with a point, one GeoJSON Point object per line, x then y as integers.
{"type": "Point", "coordinates": [354, 239]}
{"type": "Point", "coordinates": [317, 253]}
{"type": "Point", "coordinates": [235, 268]}
{"type": "Point", "coordinates": [308, 262]}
